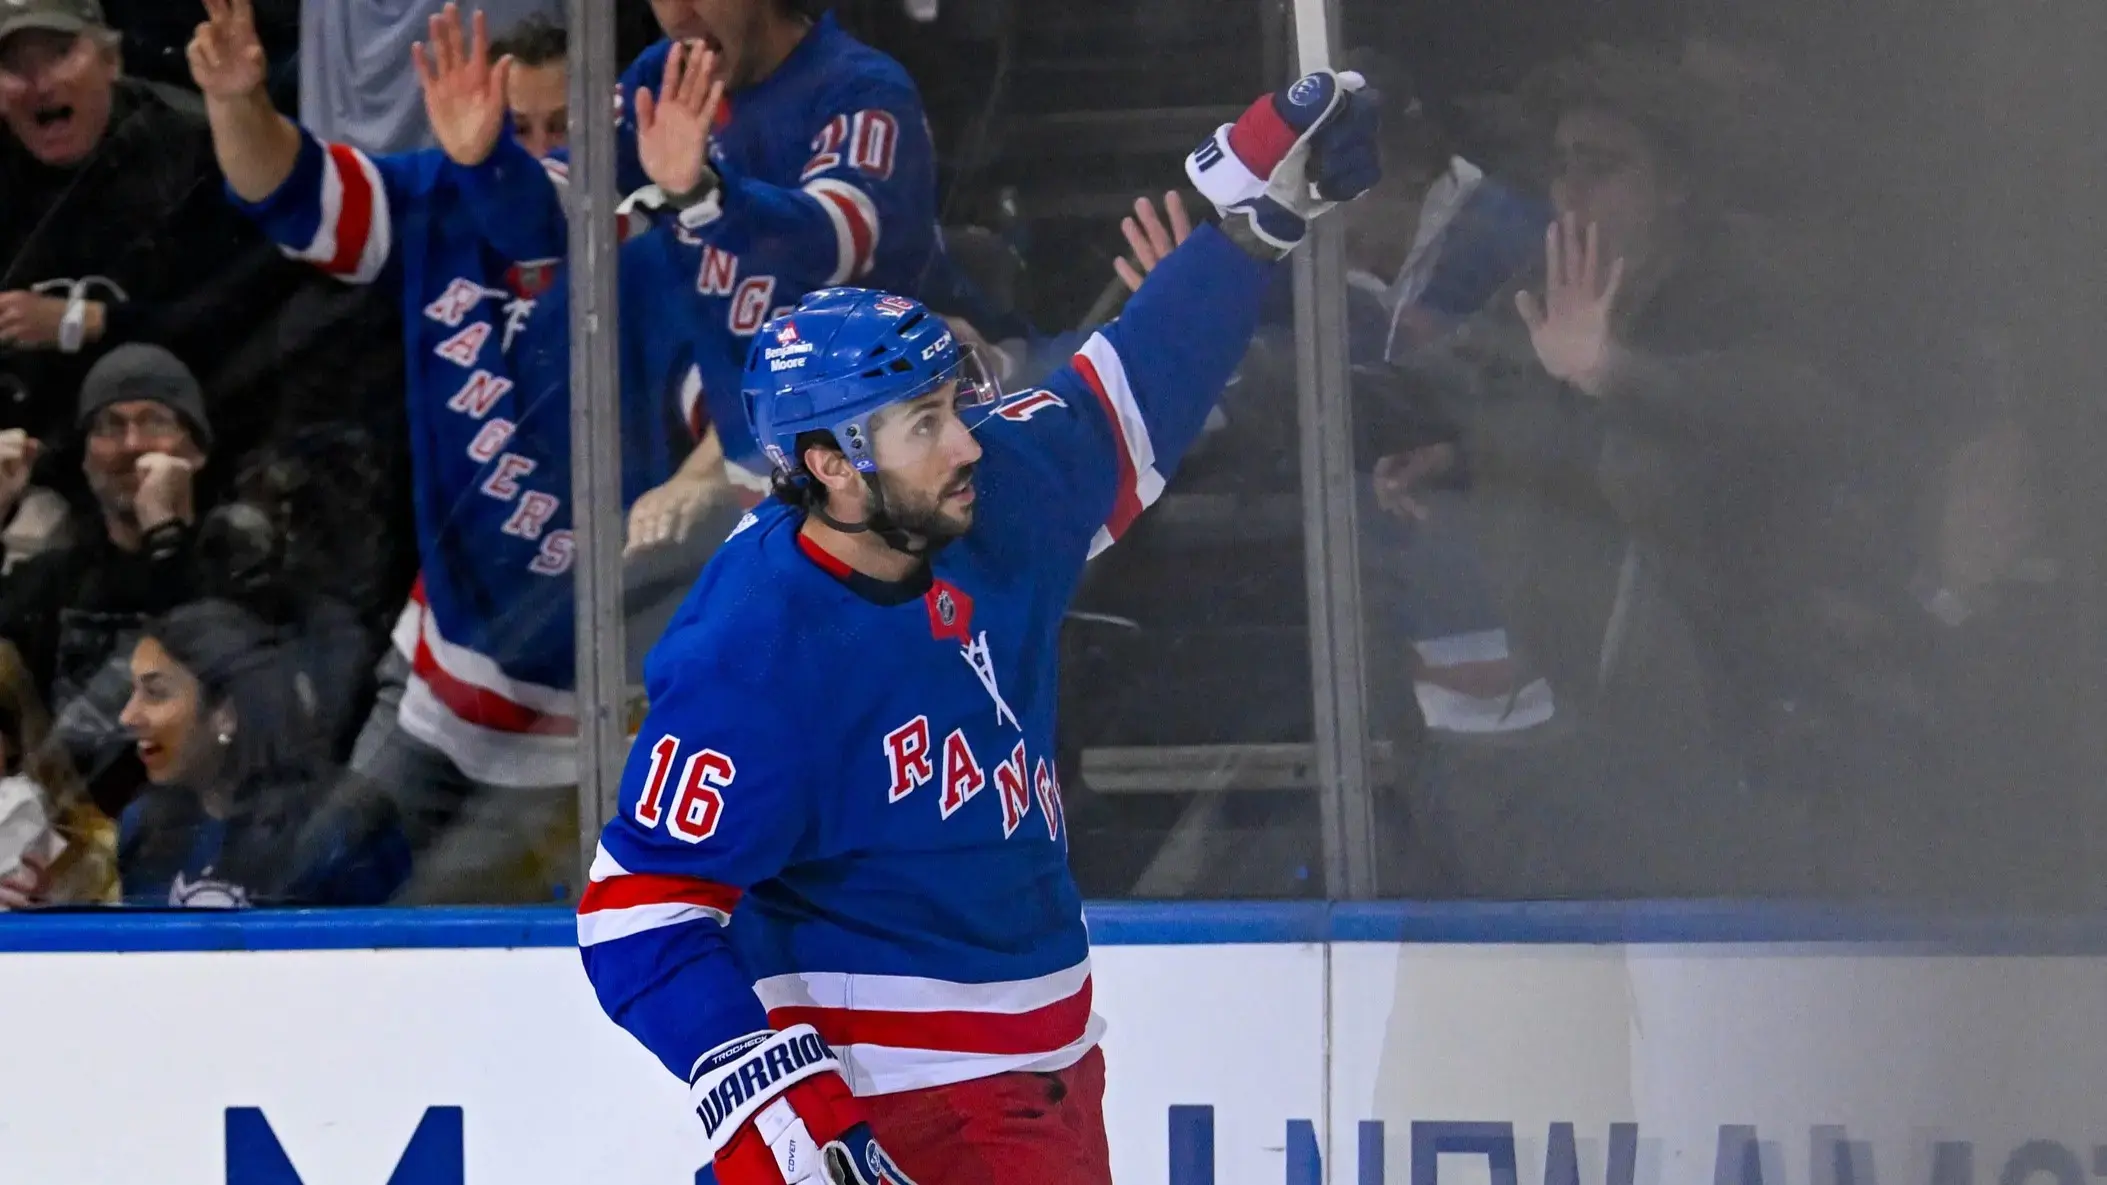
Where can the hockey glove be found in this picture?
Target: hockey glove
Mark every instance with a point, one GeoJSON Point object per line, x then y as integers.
{"type": "Point", "coordinates": [776, 1111]}
{"type": "Point", "coordinates": [1291, 156]}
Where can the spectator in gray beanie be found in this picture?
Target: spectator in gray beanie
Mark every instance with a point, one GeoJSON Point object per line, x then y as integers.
{"type": "Point", "coordinates": [76, 610]}
{"type": "Point", "coordinates": [145, 374]}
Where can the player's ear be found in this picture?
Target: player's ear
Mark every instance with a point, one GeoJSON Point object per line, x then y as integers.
{"type": "Point", "coordinates": [832, 468]}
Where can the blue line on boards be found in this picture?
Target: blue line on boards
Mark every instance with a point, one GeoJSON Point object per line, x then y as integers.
{"type": "Point", "coordinates": [1112, 923]}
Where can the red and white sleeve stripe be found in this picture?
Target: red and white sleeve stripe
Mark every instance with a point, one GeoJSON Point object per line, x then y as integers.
{"type": "Point", "coordinates": [855, 221]}
{"type": "Point", "coordinates": [354, 234]}
{"type": "Point", "coordinates": [1139, 484]}
{"type": "Point", "coordinates": [472, 685]}
{"type": "Point", "coordinates": [898, 1032]}
{"type": "Point", "coordinates": [618, 903]}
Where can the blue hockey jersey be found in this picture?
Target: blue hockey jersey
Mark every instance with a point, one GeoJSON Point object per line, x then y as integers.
{"type": "Point", "coordinates": [842, 808]}
{"type": "Point", "coordinates": [828, 177]}
{"type": "Point", "coordinates": [471, 253]}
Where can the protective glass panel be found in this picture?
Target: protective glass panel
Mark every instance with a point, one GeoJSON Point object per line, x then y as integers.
{"type": "Point", "coordinates": [1709, 535]}
{"type": "Point", "coordinates": [1187, 769]}
{"type": "Point", "coordinates": [1714, 543]}
{"type": "Point", "coordinates": [286, 587]}
{"type": "Point", "coordinates": [365, 446]}
{"type": "Point", "coordinates": [1177, 758]}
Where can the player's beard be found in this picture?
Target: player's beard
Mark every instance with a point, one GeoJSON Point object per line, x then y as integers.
{"type": "Point", "coordinates": [919, 514]}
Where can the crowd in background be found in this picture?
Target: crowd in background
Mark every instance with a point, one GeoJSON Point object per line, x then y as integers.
{"type": "Point", "coordinates": [1673, 583]}
{"type": "Point", "coordinates": [1693, 562]}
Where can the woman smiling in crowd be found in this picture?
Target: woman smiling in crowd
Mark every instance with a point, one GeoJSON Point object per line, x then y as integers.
{"type": "Point", "coordinates": [244, 809]}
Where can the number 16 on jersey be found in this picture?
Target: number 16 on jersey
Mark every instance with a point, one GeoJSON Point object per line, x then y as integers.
{"type": "Point", "coordinates": [698, 800]}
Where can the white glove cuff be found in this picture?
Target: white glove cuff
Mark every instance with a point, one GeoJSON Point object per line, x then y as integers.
{"type": "Point", "coordinates": [704, 212]}
{"type": "Point", "coordinates": [734, 1081]}
{"type": "Point", "coordinates": [1220, 175]}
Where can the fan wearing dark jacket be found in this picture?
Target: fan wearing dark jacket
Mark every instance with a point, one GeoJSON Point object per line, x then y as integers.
{"type": "Point", "coordinates": [114, 228]}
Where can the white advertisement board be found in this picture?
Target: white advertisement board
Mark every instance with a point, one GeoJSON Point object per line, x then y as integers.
{"type": "Point", "coordinates": [1482, 1064]}
{"type": "Point", "coordinates": [1827, 1065]}
{"type": "Point", "coordinates": [125, 1067]}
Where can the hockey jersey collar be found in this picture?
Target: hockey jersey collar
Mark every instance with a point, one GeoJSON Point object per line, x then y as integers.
{"type": "Point", "coordinates": [870, 588]}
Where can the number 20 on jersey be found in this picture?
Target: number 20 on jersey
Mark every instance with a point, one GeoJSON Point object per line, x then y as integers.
{"type": "Point", "coordinates": [698, 792]}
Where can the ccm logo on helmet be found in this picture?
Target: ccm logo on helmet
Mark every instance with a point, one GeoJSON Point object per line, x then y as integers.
{"type": "Point", "coordinates": [936, 347]}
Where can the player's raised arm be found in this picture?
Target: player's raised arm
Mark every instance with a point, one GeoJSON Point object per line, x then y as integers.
{"type": "Point", "coordinates": [1108, 431]}
{"type": "Point", "coordinates": [871, 167]}
{"type": "Point", "coordinates": [713, 801]}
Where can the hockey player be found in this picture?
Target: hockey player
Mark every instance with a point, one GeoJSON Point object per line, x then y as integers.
{"type": "Point", "coordinates": [836, 899]}
{"type": "Point", "coordinates": [477, 696]}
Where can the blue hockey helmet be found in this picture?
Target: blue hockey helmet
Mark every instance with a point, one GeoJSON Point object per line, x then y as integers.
{"type": "Point", "coordinates": [841, 356]}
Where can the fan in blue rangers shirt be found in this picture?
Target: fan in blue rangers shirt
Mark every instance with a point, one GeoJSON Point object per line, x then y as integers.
{"type": "Point", "coordinates": [815, 170]}
{"type": "Point", "coordinates": [836, 893]}
{"type": "Point", "coordinates": [473, 251]}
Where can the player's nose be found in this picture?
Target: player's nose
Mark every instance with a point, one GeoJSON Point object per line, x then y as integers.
{"type": "Point", "coordinates": [962, 447]}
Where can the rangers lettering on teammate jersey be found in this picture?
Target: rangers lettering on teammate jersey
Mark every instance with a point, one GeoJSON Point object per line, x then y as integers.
{"type": "Point", "coordinates": [488, 628]}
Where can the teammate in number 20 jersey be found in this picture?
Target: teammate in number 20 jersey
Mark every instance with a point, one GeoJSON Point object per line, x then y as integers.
{"type": "Point", "coordinates": [836, 898]}
{"type": "Point", "coordinates": [826, 175]}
